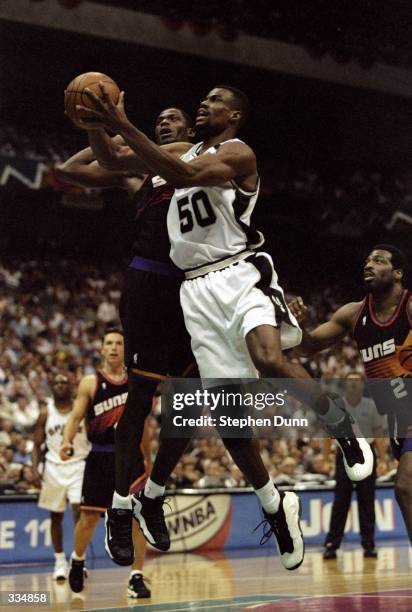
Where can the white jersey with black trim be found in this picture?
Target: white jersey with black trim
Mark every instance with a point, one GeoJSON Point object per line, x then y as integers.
{"type": "Point", "coordinates": [54, 426]}
{"type": "Point", "coordinates": [208, 224]}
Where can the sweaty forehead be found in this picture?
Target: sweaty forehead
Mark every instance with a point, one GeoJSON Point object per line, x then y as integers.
{"type": "Point", "coordinates": [381, 253]}
{"type": "Point", "coordinates": [225, 93]}
{"type": "Point", "coordinates": [113, 337]}
{"type": "Point", "coordinates": [167, 112]}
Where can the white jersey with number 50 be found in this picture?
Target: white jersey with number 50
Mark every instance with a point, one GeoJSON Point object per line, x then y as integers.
{"type": "Point", "coordinates": [207, 224]}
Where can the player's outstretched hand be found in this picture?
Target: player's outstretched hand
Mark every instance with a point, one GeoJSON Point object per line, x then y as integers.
{"type": "Point", "coordinates": [299, 309]}
{"type": "Point", "coordinates": [108, 114]}
{"type": "Point", "coordinates": [66, 451]}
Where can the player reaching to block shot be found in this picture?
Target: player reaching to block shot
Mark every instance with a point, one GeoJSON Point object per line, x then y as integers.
{"type": "Point", "coordinates": [381, 325]}
{"type": "Point", "coordinates": [232, 293]}
{"type": "Point", "coordinates": [156, 340]}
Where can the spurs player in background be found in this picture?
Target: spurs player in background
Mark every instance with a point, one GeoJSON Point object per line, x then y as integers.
{"type": "Point", "coordinates": [60, 480]}
{"type": "Point", "coordinates": [381, 325]}
{"type": "Point", "coordinates": [234, 309]}
{"type": "Point", "coordinates": [156, 340]}
{"type": "Point", "coordinates": [100, 400]}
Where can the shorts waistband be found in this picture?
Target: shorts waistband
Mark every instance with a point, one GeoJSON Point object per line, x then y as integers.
{"type": "Point", "coordinates": [102, 448]}
{"type": "Point", "coordinates": [156, 267]}
{"type": "Point", "coordinates": [217, 265]}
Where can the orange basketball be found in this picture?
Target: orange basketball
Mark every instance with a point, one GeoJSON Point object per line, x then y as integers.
{"type": "Point", "coordinates": [74, 93]}
{"type": "Point", "coordinates": [405, 358]}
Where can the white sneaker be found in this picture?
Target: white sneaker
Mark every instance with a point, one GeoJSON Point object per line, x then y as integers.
{"type": "Point", "coordinates": [61, 570]}
{"type": "Point", "coordinates": [285, 526]}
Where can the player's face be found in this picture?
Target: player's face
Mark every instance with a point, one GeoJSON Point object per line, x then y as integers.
{"type": "Point", "coordinates": [61, 387]}
{"type": "Point", "coordinates": [215, 112]}
{"type": "Point", "coordinates": [378, 272]}
{"type": "Point", "coordinates": [355, 385]}
{"type": "Point", "coordinates": [171, 127]}
{"type": "Point", "coordinates": [113, 348]}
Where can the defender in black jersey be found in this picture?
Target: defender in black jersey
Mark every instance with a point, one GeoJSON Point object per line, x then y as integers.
{"type": "Point", "coordinates": [100, 401]}
{"type": "Point", "coordinates": [382, 326]}
{"type": "Point", "coordinates": [156, 341]}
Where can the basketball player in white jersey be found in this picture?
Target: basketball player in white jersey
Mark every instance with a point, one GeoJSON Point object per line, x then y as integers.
{"type": "Point", "coordinates": [61, 480]}
{"type": "Point", "coordinates": [234, 309]}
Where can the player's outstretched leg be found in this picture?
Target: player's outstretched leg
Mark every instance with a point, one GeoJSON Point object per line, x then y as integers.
{"type": "Point", "coordinates": [357, 453]}
{"type": "Point", "coordinates": [264, 346]}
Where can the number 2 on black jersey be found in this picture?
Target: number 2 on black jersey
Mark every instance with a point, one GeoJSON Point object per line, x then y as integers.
{"type": "Point", "coordinates": [200, 204]}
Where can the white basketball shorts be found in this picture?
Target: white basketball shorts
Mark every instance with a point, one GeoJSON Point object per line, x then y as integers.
{"type": "Point", "coordinates": [220, 309]}
{"type": "Point", "coordinates": [60, 483]}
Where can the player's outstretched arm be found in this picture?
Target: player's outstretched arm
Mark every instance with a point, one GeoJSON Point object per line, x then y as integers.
{"type": "Point", "coordinates": [83, 397]}
{"type": "Point", "coordinates": [233, 160]}
{"type": "Point", "coordinates": [326, 334]}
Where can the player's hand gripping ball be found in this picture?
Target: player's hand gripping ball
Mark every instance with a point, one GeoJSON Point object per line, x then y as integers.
{"type": "Point", "coordinates": [74, 95]}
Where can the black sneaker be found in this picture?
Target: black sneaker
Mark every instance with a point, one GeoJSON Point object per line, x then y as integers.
{"type": "Point", "coordinates": [329, 553]}
{"type": "Point", "coordinates": [118, 540]}
{"type": "Point", "coordinates": [285, 526]}
{"type": "Point", "coordinates": [77, 575]}
{"type": "Point", "coordinates": [137, 588]}
{"type": "Point", "coordinates": [150, 516]}
{"type": "Point", "coordinates": [370, 553]}
{"type": "Point", "coordinates": [357, 453]}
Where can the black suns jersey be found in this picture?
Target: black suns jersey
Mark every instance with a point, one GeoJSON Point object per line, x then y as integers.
{"type": "Point", "coordinates": [151, 239]}
{"type": "Point", "coordinates": [382, 346]}
{"type": "Point", "coordinates": [106, 408]}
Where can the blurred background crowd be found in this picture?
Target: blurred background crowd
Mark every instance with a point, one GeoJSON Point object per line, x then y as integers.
{"type": "Point", "coordinates": [41, 332]}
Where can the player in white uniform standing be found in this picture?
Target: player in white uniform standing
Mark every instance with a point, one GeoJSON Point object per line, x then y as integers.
{"type": "Point", "coordinates": [234, 309]}
{"type": "Point", "coordinates": [61, 480]}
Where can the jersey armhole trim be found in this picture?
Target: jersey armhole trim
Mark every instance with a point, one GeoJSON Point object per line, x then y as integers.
{"type": "Point", "coordinates": [409, 300]}
{"type": "Point", "coordinates": [358, 314]}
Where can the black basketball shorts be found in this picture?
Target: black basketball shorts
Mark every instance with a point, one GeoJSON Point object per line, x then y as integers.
{"type": "Point", "coordinates": [99, 480]}
{"type": "Point", "coordinates": [156, 340]}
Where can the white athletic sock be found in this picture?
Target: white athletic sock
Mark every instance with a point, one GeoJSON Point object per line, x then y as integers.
{"type": "Point", "coordinates": [121, 503]}
{"type": "Point", "coordinates": [269, 497]}
{"type": "Point", "coordinates": [134, 572]}
{"type": "Point", "coordinates": [78, 557]}
{"type": "Point", "coordinates": [153, 490]}
{"type": "Point", "coordinates": [60, 556]}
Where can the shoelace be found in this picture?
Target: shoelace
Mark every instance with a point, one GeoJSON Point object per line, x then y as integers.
{"type": "Point", "coordinates": [272, 528]}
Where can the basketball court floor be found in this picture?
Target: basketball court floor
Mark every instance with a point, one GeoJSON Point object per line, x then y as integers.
{"type": "Point", "coordinates": [244, 580]}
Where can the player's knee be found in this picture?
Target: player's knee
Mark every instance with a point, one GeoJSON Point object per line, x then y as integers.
{"type": "Point", "coordinates": [270, 362]}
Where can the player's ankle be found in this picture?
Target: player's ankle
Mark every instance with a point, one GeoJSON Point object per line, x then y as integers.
{"type": "Point", "coordinates": [77, 557]}
{"type": "Point", "coordinates": [153, 490]}
{"type": "Point", "coordinates": [121, 502]}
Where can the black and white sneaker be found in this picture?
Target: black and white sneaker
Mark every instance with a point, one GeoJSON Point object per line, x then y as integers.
{"type": "Point", "coordinates": [357, 453]}
{"type": "Point", "coordinates": [285, 526]}
{"type": "Point", "coordinates": [150, 516]}
{"type": "Point", "coordinates": [137, 588]}
{"type": "Point", "coordinates": [118, 540]}
{"type": "Point", "coordinates": [77, 574]}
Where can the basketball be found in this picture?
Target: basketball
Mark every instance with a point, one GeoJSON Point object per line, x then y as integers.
{"type": "Point", "coordinates": [74, 93]}
{"type": "Point", "coordinates": [405, 358]}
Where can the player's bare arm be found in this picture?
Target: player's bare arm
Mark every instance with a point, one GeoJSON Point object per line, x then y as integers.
{"type": "Point", "coordinates": [234, 160]}
{"type": "Point", "coordinates": [39, 436]}
{"type": "Point", "coordinates": [83, 397]}
{"type": "Point", "coordinates": [326, 334]}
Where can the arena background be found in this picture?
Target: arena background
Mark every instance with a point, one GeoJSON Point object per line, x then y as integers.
{"type": "Point", "coordinates": [331, 99]}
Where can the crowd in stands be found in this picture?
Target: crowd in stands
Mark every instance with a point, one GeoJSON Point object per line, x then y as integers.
{"type": "Point", "coordinates": [347, 204]}
{"type": "Point", "coordinates": [52, 317]}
